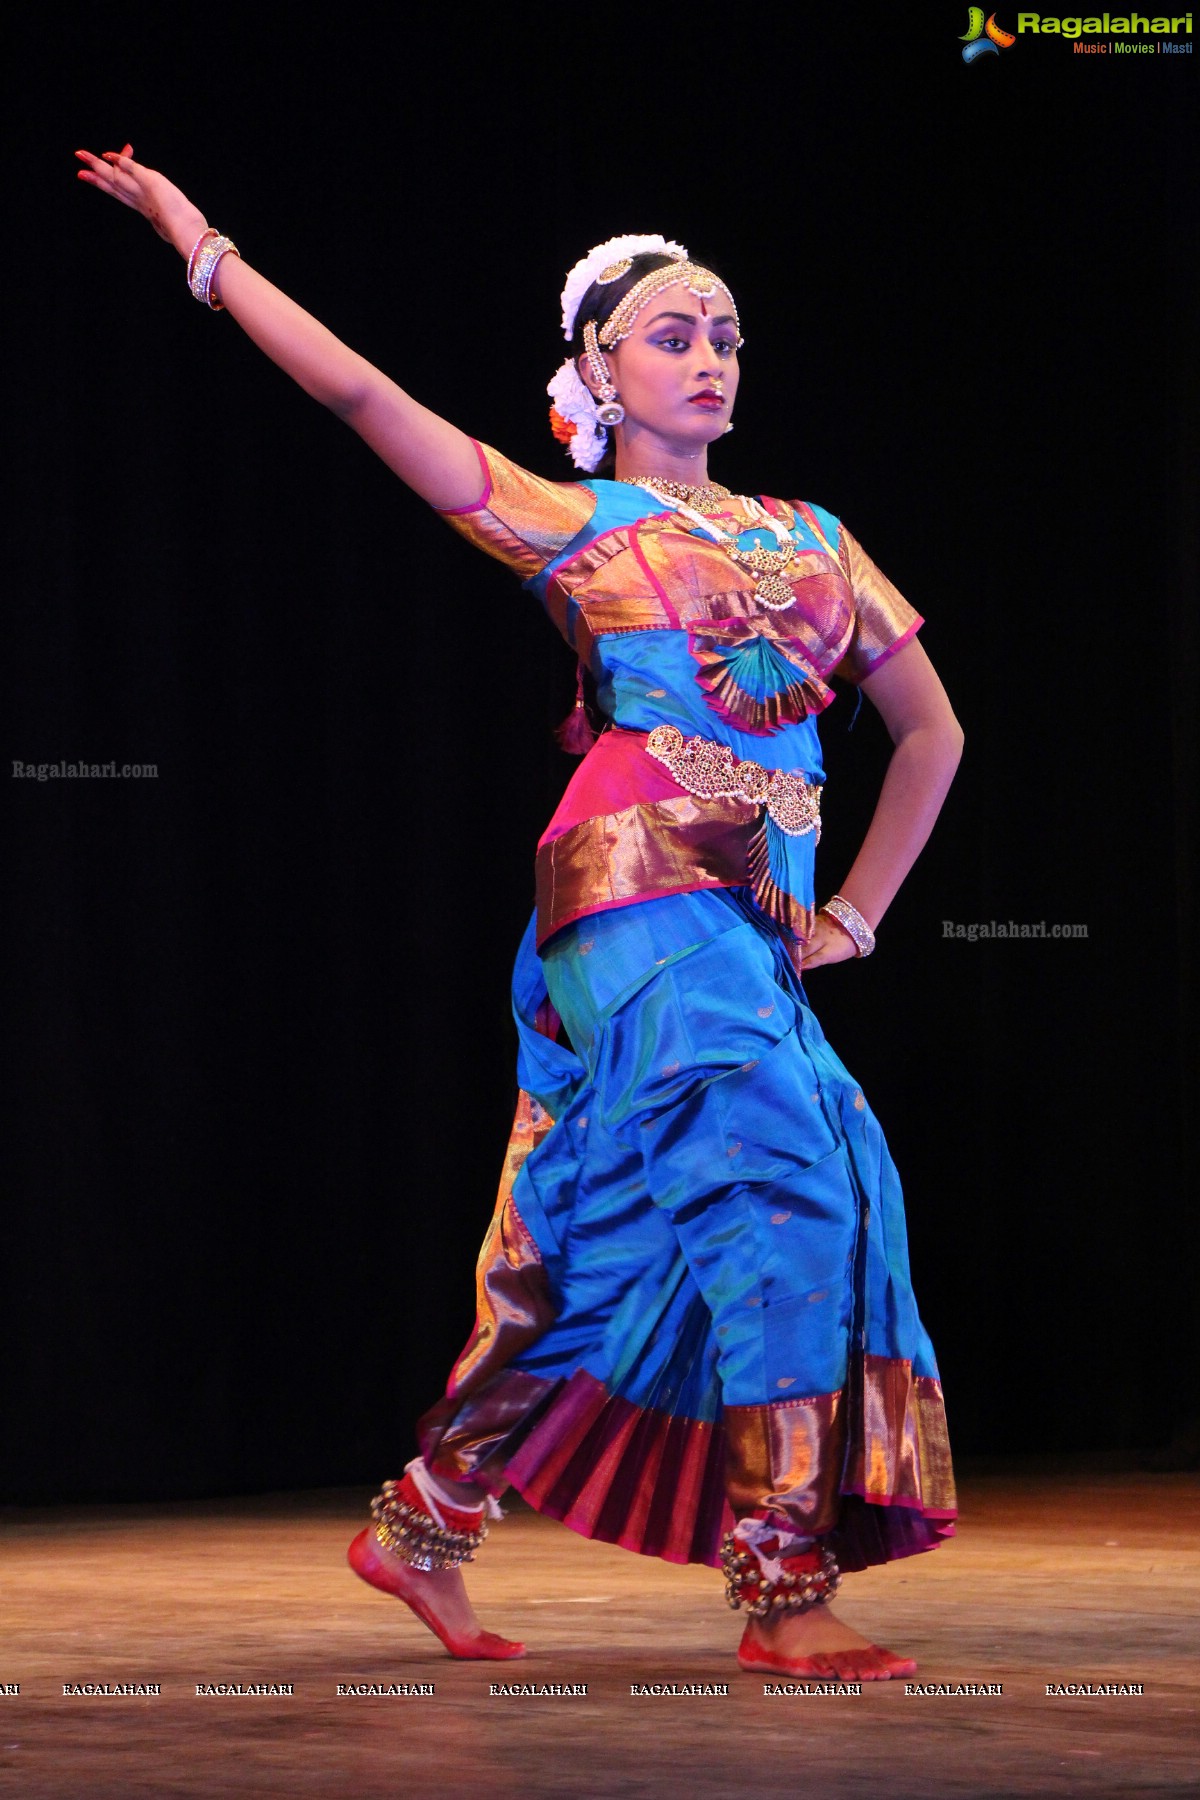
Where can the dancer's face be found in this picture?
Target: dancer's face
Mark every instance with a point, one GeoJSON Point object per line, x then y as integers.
{"type": "Point", "coordinates": [677, 373]}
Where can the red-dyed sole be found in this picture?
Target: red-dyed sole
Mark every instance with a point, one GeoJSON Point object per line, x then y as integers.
{"type": "Point", "coordinates": [487, 1646]}
{"type": "Point", "coordinates": [828, 1665]}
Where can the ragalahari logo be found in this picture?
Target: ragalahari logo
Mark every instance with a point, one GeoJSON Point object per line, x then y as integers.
{"type": "Point", "coordinates": [983, 39]}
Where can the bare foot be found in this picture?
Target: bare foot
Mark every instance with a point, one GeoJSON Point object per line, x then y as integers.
{"type": "Point", "coordinates": [820, 1644]}
{"type": "Point", "coordinates": [438, 1598]}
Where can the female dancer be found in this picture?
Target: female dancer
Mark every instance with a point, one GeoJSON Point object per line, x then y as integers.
{"type": "Point", "coordinates": [696, 1334]}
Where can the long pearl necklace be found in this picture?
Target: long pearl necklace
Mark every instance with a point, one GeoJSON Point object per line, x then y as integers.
{"type": "Point", "coordinates": [767, 566]}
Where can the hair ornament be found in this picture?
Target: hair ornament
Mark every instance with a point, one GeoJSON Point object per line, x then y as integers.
{"type": "Point", "coordinates": [693, 276]}
{"type": "Point", "coordinates": [574, 410]}
{"type": "Point", "coordinates": [600, 264]}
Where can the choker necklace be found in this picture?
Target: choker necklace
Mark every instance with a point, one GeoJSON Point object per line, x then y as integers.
{"type": "Point", "coordinates": [706, 499]}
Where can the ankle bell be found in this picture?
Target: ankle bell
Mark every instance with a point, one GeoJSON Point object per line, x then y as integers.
{"type": "Point", "coordinates": [776, 1586]}
{"type": "Point", "coordinates": [405, 1526]}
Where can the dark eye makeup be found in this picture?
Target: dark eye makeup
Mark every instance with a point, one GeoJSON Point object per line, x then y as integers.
{"type": "Point", "coordinates": [725, 346]}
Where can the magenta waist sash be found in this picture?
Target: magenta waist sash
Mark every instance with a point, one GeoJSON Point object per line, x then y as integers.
{"type": "Point", "coordinates": [627, 830]}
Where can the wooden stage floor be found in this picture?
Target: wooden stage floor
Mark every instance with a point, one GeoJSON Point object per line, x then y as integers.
{"type": "Point", "coordinates": [1057, 1577]}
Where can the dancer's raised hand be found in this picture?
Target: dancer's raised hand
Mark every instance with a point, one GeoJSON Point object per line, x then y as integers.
{"type": "Point", "coordinates": [170, 212]}
{"type": "Point", "coordinates": [435, 458]}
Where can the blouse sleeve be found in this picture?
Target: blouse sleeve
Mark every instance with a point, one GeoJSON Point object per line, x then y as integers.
{"type": "Point", "coordinates": [883, 619]}
{"type": "Point", "coordinates": [521, 519]}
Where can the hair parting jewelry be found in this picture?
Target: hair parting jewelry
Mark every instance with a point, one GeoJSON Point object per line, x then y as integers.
{"type": "Point", "coordinates": [852, 923]}
{"type": "Point", "coordinates": [202, 266]}
{"type": "Point", "coordinates": [693, 276]}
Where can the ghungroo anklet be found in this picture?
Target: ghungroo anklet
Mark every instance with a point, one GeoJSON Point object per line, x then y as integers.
{"type": "Point", "coordinates": [404, 1526]}
{"type": "Point", "coordinates": [806, 1578]}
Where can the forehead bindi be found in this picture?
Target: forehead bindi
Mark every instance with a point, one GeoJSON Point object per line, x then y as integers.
{"type": "Point", "coordinates": [687, 310]}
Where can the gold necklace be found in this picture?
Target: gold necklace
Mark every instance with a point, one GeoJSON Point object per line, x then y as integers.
{"type": "Point", "coordinates": [768, 567]}
{"type": "Point", "coordinates": [706, 499]}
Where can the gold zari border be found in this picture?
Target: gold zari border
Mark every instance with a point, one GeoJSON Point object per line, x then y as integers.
{"type": "Point", "coordinates": [788, 1455]}
{"type": "Point", "coordinates": [662, 847]}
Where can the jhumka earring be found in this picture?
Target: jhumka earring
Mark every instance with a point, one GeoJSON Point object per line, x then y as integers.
{"type": "Point", "coordinates": [610, 412]}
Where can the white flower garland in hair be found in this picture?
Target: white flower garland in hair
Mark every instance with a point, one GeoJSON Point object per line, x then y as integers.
{"type": "Point", "coordinates": [602, 257]}
{"type": "Point", "coordinates": [572, 400]}
{"type": "Point", "coordinates": [574, 403]}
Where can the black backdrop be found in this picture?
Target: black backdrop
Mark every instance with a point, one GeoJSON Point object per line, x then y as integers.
{"type": "Point", "coordinates": [261, 1052]}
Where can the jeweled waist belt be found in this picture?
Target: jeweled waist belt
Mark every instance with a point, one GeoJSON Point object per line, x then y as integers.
{"type": "Point", "coordinates": [710, 771]}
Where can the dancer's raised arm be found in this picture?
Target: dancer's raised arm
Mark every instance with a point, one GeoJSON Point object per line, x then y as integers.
{"type": "Point", "coordinates": [435, 458]}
